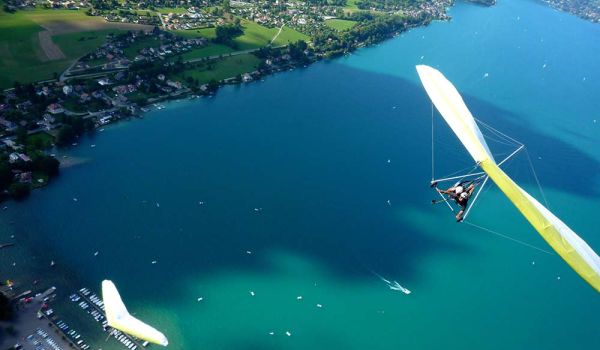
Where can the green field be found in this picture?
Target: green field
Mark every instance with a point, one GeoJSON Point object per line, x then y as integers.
{"type": "Point", "coordinates": [78, 44]}
{"type": "Point", "coordinates": [340, 24]}
{"type": "Point", "coordinates": [133, 50]}
{"type": "Point", "coordinates": [20, 54]}
{"type": "Point", "coordinates": [208, 33]}
{"type": "Point", "coordinates": [39, 140]}
{"type": "Point", "coordinates": [351, 5]}
{"type": "Point", "coordinates": [226, 68]}
{"type": "Point", "coordinates": [255, 35]}
{"type": "Point", "coordinates": [23, 59]}
{"type": "Point", "coordinates": [207, 51]}
{"type": "Point", "coordinates": [167, 10]}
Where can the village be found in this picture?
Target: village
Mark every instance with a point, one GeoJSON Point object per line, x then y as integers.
{"type": "Point", "coordinates": [178, 52]}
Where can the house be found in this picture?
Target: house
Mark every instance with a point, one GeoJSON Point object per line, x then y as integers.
{"type": "Point", "coordinates": [67, 89]}
{"type": "Point", "coordinates": [105, 120]}
{"type": "Point", "coordinates": [23, 106]}
{"type": "Point", "coordinates": [24, 177]}
{"type": "Point", "coordinates": [10, 126]}
{"type": "Point", "coordinates": [246, 77]}
{"type": "Point", "coordinates": [55, 108]}
{"type": "Point", "coordinates": [49, 119]}
{"type": "Point", "coordinates": [161, 77]}
{"type": "Point", "coordinates": [174, 84]}
{"type": "Point", "coordinates": [12, 144]}
{"type": "Point", "coordinates": [13, 157]}
{"type": "Point", "coordinates": [104, 82]}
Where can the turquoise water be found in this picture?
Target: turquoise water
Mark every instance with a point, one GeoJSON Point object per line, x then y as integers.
{"type": "Point", "coordinates": [310, 150]}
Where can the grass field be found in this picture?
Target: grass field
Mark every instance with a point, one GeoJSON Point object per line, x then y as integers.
{"type": "Point", "coordinates": [21, 56]}
{"type": "Point", "coordinates": [39, 140]}
{"type": "Point", "coordinates": [134, 49]}
{"type": "Point", "coordinates": [78, 44]}
{"type": "Point", "coordinates": [255, 35]}
{"type": "Point", "coordinates": [195, 33]}
{"type": "Point", "coordinates": [167, 10]}
{"type": "Point", "coordinates": [351, 5]}
{"type": "Point", "coordinates": [226, 68]}
{"type": "Point", "coordinates": [207, 51]}
{"type": "Point", "coordinates": [340, 24]}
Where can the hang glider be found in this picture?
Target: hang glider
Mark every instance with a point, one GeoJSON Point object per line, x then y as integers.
{"type": "Point", "coordinates": [119, 318]}
{"type": "Point", "coordinates": [575, 251]}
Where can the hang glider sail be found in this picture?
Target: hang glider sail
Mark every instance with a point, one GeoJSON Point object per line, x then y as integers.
{"type": "Point", "coordinates": [118, 317]}
{"type": "Point", "coordinates": [575, 251]}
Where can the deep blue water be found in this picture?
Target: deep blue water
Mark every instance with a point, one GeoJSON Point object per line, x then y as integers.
{"type": "Point", "coordinates": [309, 149]}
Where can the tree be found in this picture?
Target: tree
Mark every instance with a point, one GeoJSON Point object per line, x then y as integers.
{"type": "Point", "coordinates": [6, 310]}
{"type": "Point", "coordinates": [6, 176]}
{"type": "Point", "coordinates": [47, 164]}
{"type": "Point", "coordinates": [19, 190]}
{"type": "Point", "coordinates": [226, 33]}
{"type": "Point", "coordinates": [21, 135]}
{"type": "Point", "coordinates": [212, 85]}
{"type": "Point", "coordinates": [66, 135]}
{"type": "Point", "coordinates": [226, 6]}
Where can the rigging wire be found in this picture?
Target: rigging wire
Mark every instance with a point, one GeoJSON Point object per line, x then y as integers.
{"type": "Point", "coordinates": [498, 132]}
{"type": "Point", "coordinates": [475, 198]}
{"type": "Point", "coordinates": [536, 178]}
{"type": "Point", "coordinates": [432, 146]}
{"type": "Point", "coordinates": [509, 238]}
{"type": "Point", "coordinates": [501, 138]}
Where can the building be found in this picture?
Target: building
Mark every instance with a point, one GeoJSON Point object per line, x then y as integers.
{"type": "Point", "coordinates": [55, 108]}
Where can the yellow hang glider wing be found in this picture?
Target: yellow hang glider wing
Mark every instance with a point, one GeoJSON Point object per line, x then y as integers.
{"type": "Point", "coordinates": [575, 251]}
{"type": "Point", "coordinates": [118, 317]}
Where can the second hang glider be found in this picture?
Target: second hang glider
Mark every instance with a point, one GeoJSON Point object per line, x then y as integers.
{"type": "Point", "coordinates": [119, 318]}
{"type": "Point", "coordinates": [574, 250]}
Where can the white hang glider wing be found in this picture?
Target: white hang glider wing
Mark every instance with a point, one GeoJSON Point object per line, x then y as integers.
{"type": "Point", "coordinates": [574, 250]}
{"type": "Point", "coordinates": [118, 317]}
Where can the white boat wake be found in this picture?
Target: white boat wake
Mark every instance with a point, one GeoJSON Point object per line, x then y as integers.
{"type": "Point", "coordinates": [393, 285]}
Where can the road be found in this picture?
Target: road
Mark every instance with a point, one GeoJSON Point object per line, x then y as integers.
{"type": "Point", "coordinates": [279, 32]}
